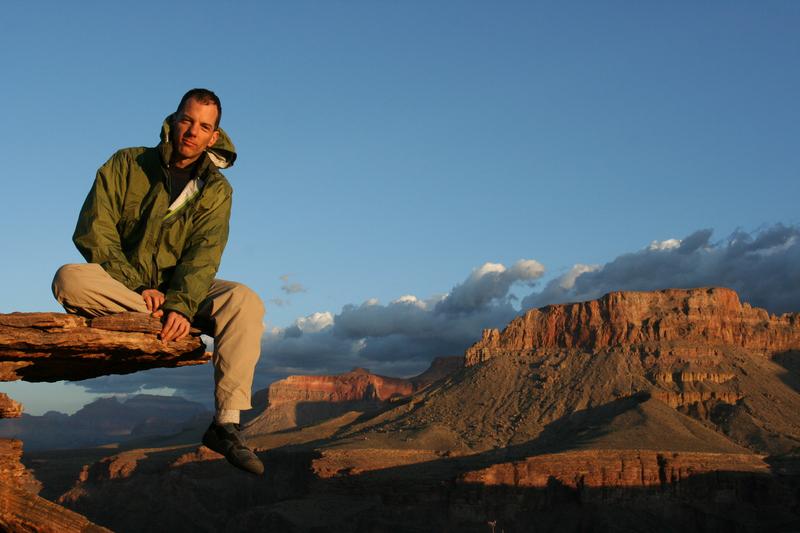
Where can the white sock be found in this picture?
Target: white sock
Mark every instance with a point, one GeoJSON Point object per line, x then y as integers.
{"type": "Point", "coordinates": [227, 416]}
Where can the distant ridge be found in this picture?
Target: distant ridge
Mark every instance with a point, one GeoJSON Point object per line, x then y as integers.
{"type": "Point", "coordinates": [306, 400]}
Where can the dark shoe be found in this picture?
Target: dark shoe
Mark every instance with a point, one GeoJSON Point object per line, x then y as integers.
{"type": "Point", "coordinates": [225, 439]}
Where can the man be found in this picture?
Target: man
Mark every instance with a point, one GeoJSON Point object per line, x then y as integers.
{"type": "Point", "coordinates": [152, 230]}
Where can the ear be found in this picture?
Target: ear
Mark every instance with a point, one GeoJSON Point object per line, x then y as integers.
{"type": "Point", "coordinates": [214, 137]}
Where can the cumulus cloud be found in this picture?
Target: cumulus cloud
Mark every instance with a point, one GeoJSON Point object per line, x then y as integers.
{"type": "Point", "coordinates": [488, 285]}
{"type": "Point", "coordinates": [401, 337]}
{"type": "Point", "coordinates": [763, 267]}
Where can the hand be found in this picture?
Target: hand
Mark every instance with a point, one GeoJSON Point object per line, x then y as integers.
{"type": "Point", "coordinates": [176, 327]}
{"type": "Point", "coordinates": [153, 299]}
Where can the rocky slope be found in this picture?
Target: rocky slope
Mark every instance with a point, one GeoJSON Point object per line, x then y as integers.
{"type": "Point", "coordinates": [574, 367]}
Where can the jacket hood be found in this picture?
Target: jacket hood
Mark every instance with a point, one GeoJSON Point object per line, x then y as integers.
{"type": "Point", "coordinates": [222, 153]}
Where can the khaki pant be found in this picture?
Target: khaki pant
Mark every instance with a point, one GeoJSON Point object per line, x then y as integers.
{"type": "Point", "coordinates": [232, 313]}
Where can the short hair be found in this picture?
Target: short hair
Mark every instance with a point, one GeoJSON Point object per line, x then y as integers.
{"type": "Point", "coordinates": [204, 96]}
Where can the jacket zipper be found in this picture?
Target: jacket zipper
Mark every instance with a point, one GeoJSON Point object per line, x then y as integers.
{"type": "Point", "coordinates": [168, 187]}
{"type": "Point", "coordinates": [157, 244]}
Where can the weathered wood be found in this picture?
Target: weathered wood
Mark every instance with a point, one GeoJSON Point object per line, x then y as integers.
{"type": "Point", "coordinates": [41, 320]}
{"type": "Point", "coordinates": [59, 346]}
{"type": "Point", "coordinates": [130, 322]}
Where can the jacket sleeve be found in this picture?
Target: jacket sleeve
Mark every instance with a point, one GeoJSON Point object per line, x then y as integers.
{"type": "Point", "coordinates": [202, 252]}
{"type": "Point", "coordinates": [96, 235]}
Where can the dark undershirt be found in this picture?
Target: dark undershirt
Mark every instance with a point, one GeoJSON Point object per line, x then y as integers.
{"type": "Point", "coordinates": [179, 177]}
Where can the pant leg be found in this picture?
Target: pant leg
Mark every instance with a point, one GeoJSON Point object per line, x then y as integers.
{"type": "Point", "coordinates": [86, 289]}
{"type": "Point", "coordinates": [235, 317]}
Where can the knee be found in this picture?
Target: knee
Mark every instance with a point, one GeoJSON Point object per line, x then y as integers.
{"type": "Point", "coordinates": [66, 281]}
{"type": "Point", "coordinates": [246, 298]}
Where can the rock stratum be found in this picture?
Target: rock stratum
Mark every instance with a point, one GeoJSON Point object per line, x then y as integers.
{"type": "Point", "coordinates": [639, 411]}
{"type": "Point", "coordinates": [298, 401]}
{"type": "Point", "coordinates": [676, 323]}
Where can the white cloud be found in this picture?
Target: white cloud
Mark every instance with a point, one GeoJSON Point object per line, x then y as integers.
{"type": "Point", "coordinates": [487, 268]}
{"type": "Point", "coordinates": [567, 281]}
{"type": "Point", "coordinates": [410, 299]}
{"type": "Point", "coordinates": [315, 322]}
{"type": "Point", "coordinates": [489, 285]}
{"type": "Point", "coordinates": [668, 244]}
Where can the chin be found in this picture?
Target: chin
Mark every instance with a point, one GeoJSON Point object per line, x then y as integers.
{"type": "Point", "coordinates": [188, 154]}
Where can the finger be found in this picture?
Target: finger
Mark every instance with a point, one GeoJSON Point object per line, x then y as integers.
{"type": "Point", "coordinates": [167, 329]}
{"type": "Point", "coordinates": [158, 301]}
{"type": "Point", "coordinates": [181, 328]}
{"type": "Point", "coordinates": [170, 328]}
{"type": "Point", "coordinates": [183, 332]}
{"type": "Point", "coordinates": [148, 303]}
{"type": "Point", "coordinates": [177, 327]}
{"type": "Point", "coordinates": [158, 314]}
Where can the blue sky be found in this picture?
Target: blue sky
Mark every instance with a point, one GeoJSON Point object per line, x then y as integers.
{"type": "Point", "coordinates": [392, 148]}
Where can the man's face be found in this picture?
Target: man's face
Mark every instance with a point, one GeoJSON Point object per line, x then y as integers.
{"type": "Point", "coordinates": [193, 130]}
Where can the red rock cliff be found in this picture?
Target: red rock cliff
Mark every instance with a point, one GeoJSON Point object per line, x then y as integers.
{"type": "Point", "coordinates": [703, 317]}
{"type": "Point", "coordinates": [356, 385]}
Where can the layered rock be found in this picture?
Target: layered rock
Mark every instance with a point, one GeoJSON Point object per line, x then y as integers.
{"type": "Point", "coordinates": [613, 468]}
{"type": "Point", "coordinates": [9, 408]}
{"type": "Point", "coordinates": [691, 322]}
{"type": "Point", "coordinates": [21, 509]}
{"type": "Point", "coordinates": [303, 400]}
{"type": "Point", "coordinates": [12, 471]}
{"type": "Point", "coordinates": [58, 346]}
{"type": "Point", "coordinates": [359, 384]}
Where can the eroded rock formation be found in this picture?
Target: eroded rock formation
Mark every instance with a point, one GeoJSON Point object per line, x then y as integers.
{"type": "Point", "coordinates": [22, 509]}
{"type": "Point", "coordinates": [359, 384]}
{"type": "Point", "coordinates": [303, 400]}
{"type": "Point", "coordinates": [613, 468]}
{"type": "Point", "coordinates": [8, 407]}
{"type": "Point", "coordinates": [689, 322]}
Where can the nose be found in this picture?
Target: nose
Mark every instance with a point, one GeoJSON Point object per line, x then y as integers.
{"type": "Point", "coordinates": [193, 130]}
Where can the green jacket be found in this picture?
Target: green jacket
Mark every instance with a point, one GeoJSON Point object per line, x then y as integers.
{"type": "Point", "coordinates": [124, 224]}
